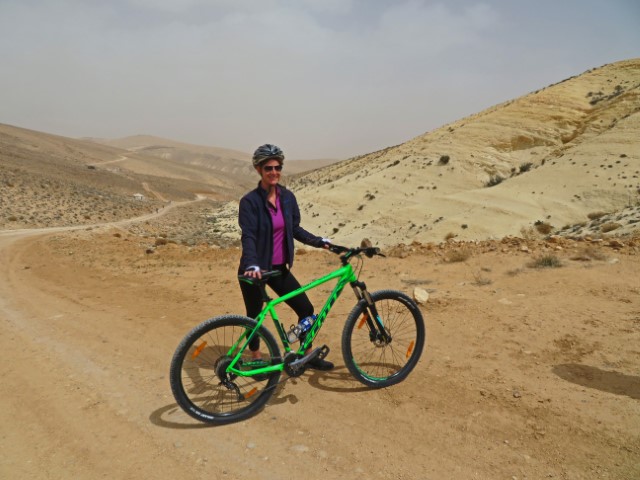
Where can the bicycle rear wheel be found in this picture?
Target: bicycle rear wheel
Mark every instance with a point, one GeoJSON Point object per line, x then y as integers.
{"type": "Point", "coordinates": [380, 362]}
{"type": "Point", "coordinates": [199, 382]}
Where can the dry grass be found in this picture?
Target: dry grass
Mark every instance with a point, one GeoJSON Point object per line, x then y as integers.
{"type": "Point", "coordinates": [459, 255]}
{"type": "Point", "coordinates": [589, 253]}
{"type": "Point", "coordinates": [545, 261]}
{"type": "Point", "coordinates": [544, 228]}
{"type": "Point", "coordinates": [609, 227]}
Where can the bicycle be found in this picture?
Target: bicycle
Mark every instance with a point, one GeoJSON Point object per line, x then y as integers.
{"type": "Point", "coordinates": [214, 379]}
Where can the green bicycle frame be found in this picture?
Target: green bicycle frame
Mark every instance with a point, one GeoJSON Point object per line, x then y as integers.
{"type": "Point", "coordinates": [344, 274]}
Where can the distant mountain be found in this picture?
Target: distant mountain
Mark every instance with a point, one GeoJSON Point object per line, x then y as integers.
{"type": "Point", "coordinates": [230, 162]}
{"type": "Point", "coordinates": [553, 156]}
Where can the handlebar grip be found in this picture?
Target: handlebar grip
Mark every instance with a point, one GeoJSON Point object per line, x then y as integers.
{"type": "Point", "coordinates": [337, 249]}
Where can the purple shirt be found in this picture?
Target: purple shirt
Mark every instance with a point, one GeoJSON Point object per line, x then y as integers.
{"type": "Point", "coordinates": [277, 220]}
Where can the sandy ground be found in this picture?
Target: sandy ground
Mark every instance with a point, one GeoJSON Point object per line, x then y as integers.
{"type": "Point", "coordinates": [527, 373]}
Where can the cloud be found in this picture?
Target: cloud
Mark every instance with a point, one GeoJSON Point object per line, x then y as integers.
{"type": "Point", "coordinates": [323, 77]}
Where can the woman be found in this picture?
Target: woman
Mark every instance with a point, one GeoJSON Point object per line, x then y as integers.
{"type": "Point", "coordinates": [269, 218]}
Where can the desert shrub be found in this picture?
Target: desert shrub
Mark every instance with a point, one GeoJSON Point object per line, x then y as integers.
{"type": "Point", "coordinates": [610, 226]}
{"type": "Point", "coordinates": [514, 272]}
{"type": "Point", "coordinates": [13, 218]}
{"type": "Point", "coordinates": [494, 180]}
{"type": "Point", "coordinates": [543, 227]}
{"type": "Point", "coordinates": [546, 261]}
{"type": "Point", "coordinates": [459, 255]}
{"type": "Point", "coordinates": [525, 167]}
{"type": "Point", "coordinates": [450, 236]}
{"type": "Point", "coordinates": [596, 215]}
{"type": "Point", "coordinates": [160, 241]}
{"type": "Point", "coordinates": [528, 233]}
{"type": "Point", "coordinates": [444, 159]}
{"type": "Point", "coordinates": [589, 253]}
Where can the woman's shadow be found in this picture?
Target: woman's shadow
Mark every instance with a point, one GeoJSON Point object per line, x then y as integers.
{"type": "Point", "coordinates": [606, 381]}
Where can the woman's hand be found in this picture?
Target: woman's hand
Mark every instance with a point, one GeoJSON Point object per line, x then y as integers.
{"type": "Point", "coordinates": [253, 272]}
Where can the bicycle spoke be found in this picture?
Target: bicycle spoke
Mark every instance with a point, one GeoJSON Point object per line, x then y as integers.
{"type": "Point", "coordinates": [381, 361]}
{"type": "Point", "coordinates": [199, 378]}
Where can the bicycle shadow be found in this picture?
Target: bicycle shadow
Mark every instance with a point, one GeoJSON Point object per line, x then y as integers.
{"type": "Point", "coordinates": [337, 380]}
{"type": "Point", "coordinates": [161, 417]}
{"type": "Point", "coordinates": [606, 381]}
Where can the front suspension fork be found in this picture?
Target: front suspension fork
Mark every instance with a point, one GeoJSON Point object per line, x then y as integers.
{"type": "Point", "coordinates": [377, 332]}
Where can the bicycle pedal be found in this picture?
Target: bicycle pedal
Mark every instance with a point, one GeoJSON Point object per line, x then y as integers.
{"type": "Point", "coordinates": [323, 352]}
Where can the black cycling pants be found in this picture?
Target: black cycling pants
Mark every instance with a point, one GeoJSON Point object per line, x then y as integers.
{"type": "Point", "coordinates": [282, 285]}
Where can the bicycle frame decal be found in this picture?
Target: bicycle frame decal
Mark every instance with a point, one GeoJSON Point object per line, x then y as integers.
{"type": "Point", "coordinates": [342, 282]}
{"type": "Point", "coordinates": [344, 274]}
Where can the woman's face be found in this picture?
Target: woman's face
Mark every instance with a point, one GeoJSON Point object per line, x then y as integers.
{"type": "Point", "coordinates": [268, 173]}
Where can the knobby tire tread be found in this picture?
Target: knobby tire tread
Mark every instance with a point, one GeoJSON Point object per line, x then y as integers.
{"type": "Point", "coordinates": [416, 321]}
{"type": "Point", "coordinates": [176, 370]}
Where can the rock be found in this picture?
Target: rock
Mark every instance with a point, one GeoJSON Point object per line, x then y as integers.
{"type": "Point", "coordinates": [420, 295]}
{"type": "Point", "coordinates": [524, 248]}
{"type": "Point", "coordinates": [615, 243]}
{"type": "Point", "coordinates": [300, 448]}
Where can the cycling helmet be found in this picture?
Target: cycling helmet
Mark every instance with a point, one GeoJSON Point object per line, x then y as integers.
{"type": "Point", "coordinates": [267, 152]}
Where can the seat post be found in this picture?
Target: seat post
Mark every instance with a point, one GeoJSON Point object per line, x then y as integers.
{"type": "Point", "coordinates": [265, 295]}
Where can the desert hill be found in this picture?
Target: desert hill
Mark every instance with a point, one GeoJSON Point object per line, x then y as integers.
{"type": "Point", "coordinates": [49, 180]}
{"type": "Point", "coordinates": [551, 157]}
{"type": "Point", "coordinates": [562, 160]}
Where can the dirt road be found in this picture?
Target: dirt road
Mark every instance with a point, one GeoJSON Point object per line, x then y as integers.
{"type": "Point", "coordinates": [528, 373]}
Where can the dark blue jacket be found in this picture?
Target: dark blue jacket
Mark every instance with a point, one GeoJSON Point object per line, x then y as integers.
{"type": "Point", "coordinates": [257, 230]}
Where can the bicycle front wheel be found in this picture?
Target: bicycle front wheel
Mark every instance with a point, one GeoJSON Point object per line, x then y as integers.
{"type": "Point", "coordinates": [199, 380]}
{"type": "Point", "coordinates": [379, 360]}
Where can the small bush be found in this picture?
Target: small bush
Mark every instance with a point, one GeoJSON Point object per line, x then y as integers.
{"type": "Point", "coordinates": [460, 255]}
{"type": "Point", "coordinates": [444, 159]}
{"type": "Point", "coordinates": [608, 227]}
{"type": "Point", "coordinates": [596, 215]}
{"type": "Point", "coordinates": [589, 253]}
{"type": "Point", "coordinates": [13, 218]}
{"type": "Point", "coordinates": [494, 180]}
{"type": "Point", "coordinates": [546, 261]}
{"type": "Point", "coordinates": [525, 167]}
{"type": "Point", "coordinates": [543, 227]}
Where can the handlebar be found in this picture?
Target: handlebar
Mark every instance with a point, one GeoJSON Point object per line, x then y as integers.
{"type": "Point", "coordinates": [346, 253]}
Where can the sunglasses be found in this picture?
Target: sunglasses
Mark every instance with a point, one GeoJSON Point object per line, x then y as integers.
{"type": "Point", "coordinates": [271, 168]}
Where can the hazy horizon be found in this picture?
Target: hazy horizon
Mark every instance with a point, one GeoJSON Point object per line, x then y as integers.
{"type": "Point", "coordinates": [320, 78]}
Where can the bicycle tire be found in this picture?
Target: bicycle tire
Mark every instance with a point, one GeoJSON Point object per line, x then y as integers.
{"type": "Point", "coordinates": [380, 364]}
{"type": "Point", "coordinates": [199, 390]}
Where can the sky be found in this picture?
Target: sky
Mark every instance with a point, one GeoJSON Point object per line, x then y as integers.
{"type": "Point", "coordinates": [319, 78]}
